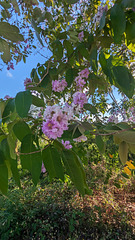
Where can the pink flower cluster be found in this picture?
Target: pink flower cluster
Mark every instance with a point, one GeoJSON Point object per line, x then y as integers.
{"type": "Point", "coordinates": [81, 36]}
{"type": "Point", "coordinates": [59, 86]}
{"type": "Point", "coordinates": [79, 98]}
{"type": "Point", "coordinates": [80, 82]}
{"type": "Point", "coordinates": [7, 97]}
{"type": "Point", "coordinates": [67, 144]}
{"type": "Point", "coordinates": [56, 121]}
{"type": "Point", "coordinates": [10, 65]}
{"type": "Point", "coordinates": [26, 82]}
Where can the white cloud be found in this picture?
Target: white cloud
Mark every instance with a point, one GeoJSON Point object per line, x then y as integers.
{"type": "Point", "coordinates": [9, 74]}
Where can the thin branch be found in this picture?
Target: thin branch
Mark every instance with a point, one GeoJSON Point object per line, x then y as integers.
{"type": "Point", "coordinates": [19, 153]}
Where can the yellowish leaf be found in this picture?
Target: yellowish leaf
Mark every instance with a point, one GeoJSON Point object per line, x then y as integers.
{"type": "Point", "coordinates": [130, 165]}
{"type": "Point", "coordinates": [127, 171]}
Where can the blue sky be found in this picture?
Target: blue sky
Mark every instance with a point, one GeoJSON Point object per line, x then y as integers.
{"type": "Point", "coordinates": [12, 81]}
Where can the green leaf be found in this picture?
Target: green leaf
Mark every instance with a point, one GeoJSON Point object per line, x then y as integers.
{"type": "Point", "coordinates": [118, 22]}
{"type": "Point", "coordinates": [132, 148]}
{"type": "Point", "coordinates": [21, 129]}
{"type": "Point", "coordinates": [45, 81]}
{"type": "Point", "coordinates": [75, 170]}
{"type": "Point", "coordinates": [23, 101]}
{"type": "Point", "coordinates": [83, 51]}
{"type": "Point", "coordinates": [128, 3]}
{"type": "Point", "coordinates": [4, 47]}
{"type": "Point", "coordinates": [90, 108]}
{"type": "Point", "coordinates": [11, 140]}
{"type": "Point", "coordinates": [10, 32]}
{"type": "Point", "coordinates": [31, 161]}
{"type": "Point", "coordinates": [15, 172]}
{"type": "Point", "coordinates": [16, 7]}
{"type": "Point", "coordinates": [106, 65]}
{"type": "Point", "coordinates": [4, 147]}
{"type": "Point", "coordinates": [70, 75]}
{"type": "Point", "coordinates": [102, 21]}
{"type": "Point", "coordinates": [130, 31]}
{"type": "Point", "coordinates": [38, 102]}
{"type": "Point", "coordinates": [34, 25]}
{"type": "Point", "coordinates": [124, 80]}
{"type": "Point", "coordinates": [57, 49]}
{"type": "Point", "coordinates": [52, 162]}
{"type": "Point", "coordinates": [100, 143]}
{"type": "Point", "coordinates": [72, 1]}
{"type": "Point", "coordinates": [123, 152]}
{"type": "Point", "coordinates": [9, 109]}
{"type": "Point", "coordinates": [68, 46]}
{"type": "Point", "coordinates": [5, 5]}
{"type": "Point", "coordinates": [3, 174]}
{"type": "Point", "coordinates": [127, 136]}
{"type": "Point", "coordinates": [93, 58]}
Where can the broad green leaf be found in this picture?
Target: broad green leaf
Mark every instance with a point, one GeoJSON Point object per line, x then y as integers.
{"type": "Point", "coordinates": [68, 46]}
{"type": "Point", "coordinates": [128, 3]}
{"type": "Point", "coordinates": [16, 7]}
{"type": "Point", "coordinates": [102, 21]}
{"type": "Point", "coordinates": [4, 47]}
{"type": "Point", "coordinates": [123, 152]}
{"type": "Point", "coordinates": [132, 148]}
{"type": "Point", "coordinates": [21, 129]}
{"type": "Point", "coordinates": [83, 51]}
{"type": "Point", "coordinates": [74, 170]}
{"type": "Point", "coordinates": [31, 160]}
{"type": "Point", "coordinates": [12, 144]}
{"type": "Point", "coordinates": [127, 136]}
{"type": "Point", "coordinates": [10, 32]}
{"type": "Point", "coordinates": [70, 76]}
{"type": "Point", "coordinates": [93, 58]}
{"type": "Point", "coordinates": [45, 81]}
{"type": "Point", "coordinates": [106, 65]}
{"type": "Point", "coordinates": [130, 31]}
{"type": "Point", "coordinates": [100, 143]}
{"type": "Point", "coordinates": [87, 126]}
{"type": "Point", "coordinates": [90, 108]}
{"type": "Point", "coordinates": [5, 4]}
{"type": "Point", "coordinates": [105, 41]}
{"type": "Point", "coordinates": [72, 1]}
{"type": "Point", "coordinates": [15, 172]}
{"type": "Point", "coordinates": [38, 102]}
{"type": "Point", "coordinates": [4, 147]}
{"type": "Point", "coordinates": [9, 109]}
{"type": "Point", "coordinates": [52, 162]}
{"type": "Point", "coordinates": [118, 22]}
{"type": "Point", "coordinates": [3, 174]}
{"type": "Point", "coordinates": [23, 101]}
{"type": "Point", "coordinates": [124, 80]}
{"type": "Point", "coordinates": [57, 49]}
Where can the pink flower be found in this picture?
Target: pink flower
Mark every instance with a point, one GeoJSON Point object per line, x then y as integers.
{"type": "Point", "coordinates": [79, 98]}
{"type": "Point", "coordinates": [81, 36]}
{"type": "Point", "coordinates": [52, 129]}
{"type": "Point", "coordinates": [79, 82]}
{"type": "Point", "coordinates": [67, 144]}
{"type": "Point", "coordinates": [59, 86]}
{"type": "Point", "coordinates": [7, 97]}
{"type": "Point", "coordinates": [84, 73]}
{"type": "Point", "coordinates": [80, 139]}
{"type": "Point", "coordinates": [26, 82]}
{"type": "Point", "coordinates": [43, 170]}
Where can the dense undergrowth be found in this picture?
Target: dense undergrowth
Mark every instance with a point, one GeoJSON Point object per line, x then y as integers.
{"type": "Point", "coordinates": [57, 211]}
